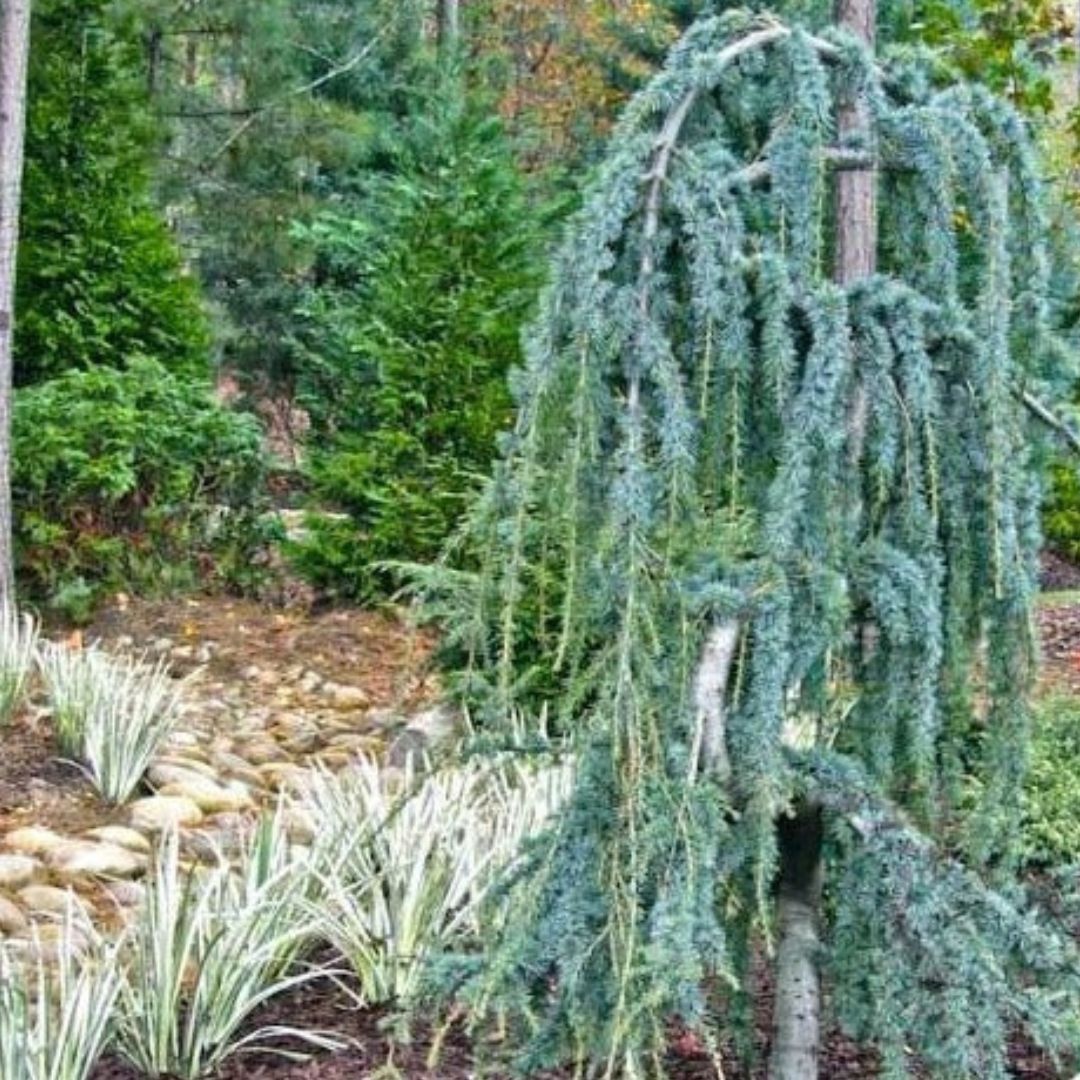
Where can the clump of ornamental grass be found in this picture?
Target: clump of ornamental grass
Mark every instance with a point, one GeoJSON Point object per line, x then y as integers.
{"type": "Point", "coordinates": [112, 714]}
{"type": "Point", "coordinates": [406, 860]}
{"type": "Point", "coordinates": [209, 948]}
{"type": "Point", "coordinates": [55, 1018]}
{"type": "Point", "coordinates": [18, 644]}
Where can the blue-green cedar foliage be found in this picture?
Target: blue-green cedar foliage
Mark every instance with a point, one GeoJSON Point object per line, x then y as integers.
{"type": "Point", "coordinates": [689, 450]}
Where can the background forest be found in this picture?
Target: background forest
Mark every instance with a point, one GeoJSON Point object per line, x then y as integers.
{"type": "Point", "coordinates": [341, 229]}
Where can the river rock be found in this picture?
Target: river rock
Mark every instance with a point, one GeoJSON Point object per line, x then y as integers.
{"type": "Point", "coordinates": [208, 796]}
{"type": "Point", "coordinates": [283, 774]}
{"type": "Point", "coordinates": [48, 900]}
{"type": "Point", "coordinates": [161, 812]}
{"type": "Point", "coordinates": [82, 859]}
{"type": "Point", "coordinates": [262, 751]}
{"type": "Point", "coordinates": [172, 771]}
{"type": "Point", "coordinates": [33, 840]}
{"type": "Point", "coordinates": [344, 698]}
{"type": "Point", "coordinates": [121, 836]}
{"type": "Point", "coordinates": [17, 870]}
{"type": "Point", "coordinates": [126, 893]}
{"type": "Point", "coordinates": [12, 919]}
{"type": "Point", "coordinates": [236, 767]}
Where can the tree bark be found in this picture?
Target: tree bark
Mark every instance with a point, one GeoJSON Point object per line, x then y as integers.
{"type": "Point", "coordinates": [797, 1019]}
{"type": "Point", "coordinates": [14, 51]}
{"type": "Point", "coordinates": [449, 25]}
{"type": "Point", "coordinates": [710, 698]}
{"type": "Point", "coordinates": [797, 1010]}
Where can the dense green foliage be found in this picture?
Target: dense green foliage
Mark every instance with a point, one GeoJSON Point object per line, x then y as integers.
{"type": "Point", "coordinates": [409, 327]}
{"type": "Point", "coordinates": [276, 109]}
{"type": "Point", "coordinates": [1061, 517]}
{"type": "Point", "coordinates": [99, 276]}
{"type": "Point", "coordinates": [127, 479]}
{"type": "Point", "coordinates": [713, 436]}
{"type": "Point", "coordinates": [1052, 794]}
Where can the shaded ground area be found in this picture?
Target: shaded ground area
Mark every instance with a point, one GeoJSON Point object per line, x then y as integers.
{"type": "Point", "coordinates": [372, 650]}
{"type": "Point", "coordinates": [374, 1055]}
{"type": "Point", "coordinates": [250, 649]}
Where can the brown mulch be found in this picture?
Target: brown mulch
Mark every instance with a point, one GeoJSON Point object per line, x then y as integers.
{"type": "Point", "coordinates": [377, 651]}
{"type": "Point", "coordinates": [1058, 572]}
{"type": "Point", "coordinates": [374, 1053]}
{"type": "Point", "coordinates": [36, 785]}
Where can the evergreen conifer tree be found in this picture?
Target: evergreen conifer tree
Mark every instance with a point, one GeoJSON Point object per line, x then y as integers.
{"type": "Point", "coordinates": [763, 542]}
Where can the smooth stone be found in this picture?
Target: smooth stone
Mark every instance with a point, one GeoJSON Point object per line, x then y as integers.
{"type": "Point", "coordinates": [439, 724]}
{"type": "Point", "coordinates": [283, 774]}
{"type": "Point", "coordinates": [161, 812]}
{"type": "Point", "coordinates": [355, 742]}
{"type": "Point", "coordinates": [169, 772]}
{"type": "Point", "coordinates": [263, 752]}
{"type": "Point", "coordinates": [182, 739]}
{"type": "Point", "coordinates": [385, 719]}
{"type": "Point", "coordinates": [235, 766]}
{"type": "Point", "coordinates": [208, 796]}
{"type": "Point", "coordinates": [81, 859]}
{"type": "Point", "coordinates": [12, 919]}
{"type": "Point", "coordinates": [409, 746]}
{"type": "Point", "coordinates": [335, 759]}
{"type": "Point", "coordinates": [309, 682]}
{"type": "Point", "coordinates": [121, 836]}
{"type": "Point", "coordinates": [209, 847]}
{"type": "Point", "coordinates": [48, 899]}
{"type": "Point", "coordinates": [126, 893]}
{"type": "Point", "coordinates": [345, 697]}
{"type": "Point", "coordinates": [33, 840]}
{"type": "Point", "coordinates": [48, 942]}
{"type": "Point", "coordinates": [221, 744]}
{"type": "Point", "coordinates": [299, 825]}
{"type": "Point", "coordinates": [194, 758]}
{"type": "Point", "coordinates": [17, 870]}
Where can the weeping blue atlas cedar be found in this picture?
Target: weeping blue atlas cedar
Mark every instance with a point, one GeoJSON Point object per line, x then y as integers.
{"type": "Point", "coordinates": [759, 537]}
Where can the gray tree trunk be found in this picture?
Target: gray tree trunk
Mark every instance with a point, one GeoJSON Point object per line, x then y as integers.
{"type": "Point", "coordinates": [449, 25]}
{"type": "Point", "coordinates": [14, 50]}
{"type": "Point", "coordinates": [797, 1011]}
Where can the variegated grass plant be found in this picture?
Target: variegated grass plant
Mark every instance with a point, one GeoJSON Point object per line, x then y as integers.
{"type": "Point", "coordinates": [406, 861]}
{"type": "Point", "coordinates": [55, 1017]}
{"type": "Point", "coordinates": [113, 714]}
{"type": "Point", "coordinates": [18, 646]}
{"type": "Point", "coordinates": [209, 948]}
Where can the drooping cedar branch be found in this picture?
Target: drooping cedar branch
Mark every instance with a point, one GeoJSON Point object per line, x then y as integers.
{"type": "Point", "coordinates": [727, 460]}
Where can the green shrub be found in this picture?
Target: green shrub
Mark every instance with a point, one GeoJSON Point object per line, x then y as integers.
{"type": "Point", "coordinates": [100, 277]}
{"type": "Point", "coordinates": [1052, 796]}
{"type": "Point", "coordinates": [409, 329]}
{"type": "Point", "coordinates": [129, 479]}
{"type": "Point", "coordinates": [1061, 511]}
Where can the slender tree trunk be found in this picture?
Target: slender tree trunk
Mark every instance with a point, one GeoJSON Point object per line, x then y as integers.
{"type": "Point", "coordinates": [797, 1015]}
{"type": "Point", "coordinates": [14, 50]}
{"type": "Point", "coordinates": [449, 24]}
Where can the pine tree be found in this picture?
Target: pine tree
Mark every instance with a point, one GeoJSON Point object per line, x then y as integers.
{"type": "Point", "coordinates": [763, 544]}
